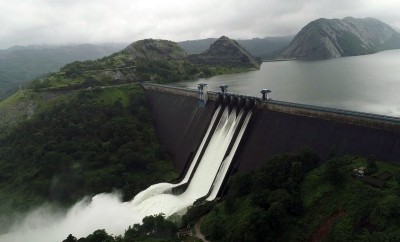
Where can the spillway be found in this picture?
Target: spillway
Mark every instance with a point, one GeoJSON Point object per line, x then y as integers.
{"type": "Point", "coordinates": [166, 187]}
{"type": "Point", "coordinates": [207, 170]}
{"type": "Point", "coordinates": [219, 178]}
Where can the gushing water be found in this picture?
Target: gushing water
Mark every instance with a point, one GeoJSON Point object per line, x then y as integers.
{"type": "Point", "coordinates": [205, 173]}
{"type": "Point", "coordinates": [106, 211]}
{"type": "Point", "coordinates": [227, 161]}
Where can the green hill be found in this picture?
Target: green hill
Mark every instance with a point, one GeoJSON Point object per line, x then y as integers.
{"type": "Point", "coordinates": [264, 48]}
{"type": "Point", "coordinates": [158, 61]}
{"type": "Point", "coordinates": [20, 64]}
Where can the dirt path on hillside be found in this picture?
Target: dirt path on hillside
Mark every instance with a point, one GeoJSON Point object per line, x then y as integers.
{"type": "Point", "coordinates": [324, 229]}
{"type": "Point", "coordinates": [198, 231]}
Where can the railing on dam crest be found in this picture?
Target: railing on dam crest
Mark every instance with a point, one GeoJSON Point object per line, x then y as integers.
{"type": "Point", "coordinates": [352, 117]}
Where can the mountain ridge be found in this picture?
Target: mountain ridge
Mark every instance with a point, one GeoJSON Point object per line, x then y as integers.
{"type": "Point", "coordinates": [264, 48]}
{"type": "Point", "coordinates": [154, 60]}
{"type": "Point", "coordinates": [19, 64]}
{"type": "Point", "coordinates": [225, 51]}
{"type": "Point", "coordinates": [330, 38]}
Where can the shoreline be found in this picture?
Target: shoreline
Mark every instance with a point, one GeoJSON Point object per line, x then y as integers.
{"type": "Point", "coordinates": [276, 60]}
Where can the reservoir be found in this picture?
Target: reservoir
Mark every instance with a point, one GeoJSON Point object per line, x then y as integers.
{"type": "Point", "coordinates": [369, 83]}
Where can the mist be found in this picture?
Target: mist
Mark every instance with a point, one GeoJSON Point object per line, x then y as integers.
{"type": "Point", "coordinates": [48, 224]}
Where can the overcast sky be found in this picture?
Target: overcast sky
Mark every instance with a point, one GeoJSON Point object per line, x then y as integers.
{"type": "Point", "coordinates": [24, 22]}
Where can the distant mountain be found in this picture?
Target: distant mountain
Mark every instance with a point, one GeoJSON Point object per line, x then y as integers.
{"type": "Point", "coordinates": [225, 51]}
{"type": "Point", "coordinates": [196, 46]}
{"type": "Point", "coordinates": [259, 47]}
{"type": "Point", "coordinates": [266, 48]}
{"type": "Point", "coordinates": [330, 38]}
{"type": "Point", "coordinates": [151, 49]}
{"type": "Point", "coordinates": [19, 64]}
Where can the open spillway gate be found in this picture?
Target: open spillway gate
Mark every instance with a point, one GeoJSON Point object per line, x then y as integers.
{"type": "Point", "coordinates": [209, 167]}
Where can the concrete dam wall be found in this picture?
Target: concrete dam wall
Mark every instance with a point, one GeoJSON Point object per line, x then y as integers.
{"type": "Point", "coordinates": [276, 128]}
{"type": "Point", "coordinates": [179, 122]}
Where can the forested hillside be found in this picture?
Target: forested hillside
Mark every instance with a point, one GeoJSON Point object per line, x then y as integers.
{"type": "Point", "coordinates": [305, 198]}
{"type": "Point", "coordinates": [160, 61]}
{"type": "Point", "coordinates": [83, 143]}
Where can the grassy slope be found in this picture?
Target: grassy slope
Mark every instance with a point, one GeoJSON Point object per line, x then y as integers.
{"type": "Point", "coordinates": [16, 109]}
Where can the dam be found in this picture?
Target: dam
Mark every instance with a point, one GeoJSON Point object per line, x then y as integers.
{"type": "Point", "coordinates": [208, 167]}
{"type": "Point", "coordinates": [276, 128]}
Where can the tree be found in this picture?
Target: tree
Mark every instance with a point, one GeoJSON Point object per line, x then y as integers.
{"type": "Point", "coordinates": [277, 216]}
{"type": "Point", "coordinates": [157, 226]}
{"type": "Point", "coordinates": [217, 229]}
{"type": "Point", "coordinates": [309, 158]}
{"type": "Point", "coordinates": [241, 184]}
{"type": "Point", "coordinates": [99, 236]}
{"type": "Point", "coordinates": [260, 198]}
{"type": "Point", "coordinates": [371, 166]}
{"type": "Point", "coordinates": [70, 238]}
{"type": "Point", "coordinates": [195, 212]}
{"type": "Point", "coordinates": [332, 153]}
{"type": "Point", "coordinates": [296, 171]}
{"type": "Point", "coordinates": [229, 205]}
{"type": "Point", "coordinates": [251, 227]}
{"type": "Point", "coordinates": [334, 171]}
{"type": "Point", "coordinates": [296, 204]}
{"type": "Point", "coordinates": [279, 195]}
{"type": "Point", "coordinates": [132, 232]}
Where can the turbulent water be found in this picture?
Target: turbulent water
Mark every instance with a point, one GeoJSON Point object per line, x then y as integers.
{"type": "Point", "coordinates": [106, 211]}
{"type": "Point", "coordinates": [206, 171]}
{"type": "Point", "coordinates": [369, 83]}
{"type": "Point", "coordinates": [227, 161]}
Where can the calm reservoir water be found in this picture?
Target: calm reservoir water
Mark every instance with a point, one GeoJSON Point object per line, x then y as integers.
{"type": "Point", "coordinates": [369, 83]}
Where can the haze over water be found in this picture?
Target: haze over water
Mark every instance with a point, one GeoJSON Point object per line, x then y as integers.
{"type": "Point", "coordinates": [369, 83]}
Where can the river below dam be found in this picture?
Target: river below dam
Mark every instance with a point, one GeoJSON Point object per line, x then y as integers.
{"type": "Point", "coordinates": [369, 83]}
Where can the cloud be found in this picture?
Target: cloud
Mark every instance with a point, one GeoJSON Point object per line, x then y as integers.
{"type": "Point", "coordinates": [73, 21]}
